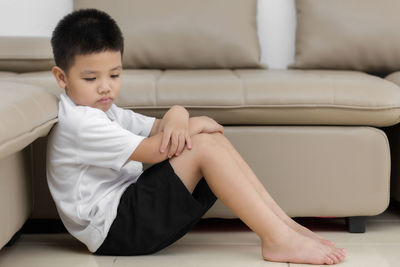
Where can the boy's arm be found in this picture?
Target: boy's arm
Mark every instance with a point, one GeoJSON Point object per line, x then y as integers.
{"type": "Point", "coordinates": [196, 125]}
{"type": "Point", "coordinates": [148, 151]}
{"type": "Point", "coordinates": [155, 128]}
{"type": "Point", "coordinates": [175, 128]}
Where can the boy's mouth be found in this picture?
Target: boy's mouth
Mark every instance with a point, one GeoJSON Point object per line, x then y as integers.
{"type": "Point", "coordinates": [105, 100]}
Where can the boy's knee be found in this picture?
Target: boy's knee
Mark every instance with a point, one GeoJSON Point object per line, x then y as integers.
{"type": "Point", "coordinates": [218, 135]}
{"type": "Point", "coordinates": [204, 142]}
{"type": "Point", "coordinates": [202, 139]}
{"type": "Point", "coordinates": [219, 138]}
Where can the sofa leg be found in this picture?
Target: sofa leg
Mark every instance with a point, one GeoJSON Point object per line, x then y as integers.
{"type": "Point", "coordinates": [356, 224]}
{"type": "Point", "coordinates": [13, 239]}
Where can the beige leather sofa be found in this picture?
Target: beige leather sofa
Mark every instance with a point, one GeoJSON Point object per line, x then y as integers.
{"type": "Point", "coordinates": [312, 133]}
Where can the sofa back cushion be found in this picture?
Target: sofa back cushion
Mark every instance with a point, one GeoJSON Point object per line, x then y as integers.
{"type": "Point", "coordinates": [185, 33]}
{"type": "Point", "coordinates": [22, 54]}
{"type": "Point", "coordinates": [348, 34]}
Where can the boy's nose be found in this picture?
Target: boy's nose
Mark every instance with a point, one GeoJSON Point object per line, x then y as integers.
{"type": "Point", "coordinates": [104, 87]}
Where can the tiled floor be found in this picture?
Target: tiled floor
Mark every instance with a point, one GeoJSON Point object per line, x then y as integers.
{"type": "Point", "coordinates": [215, 244]}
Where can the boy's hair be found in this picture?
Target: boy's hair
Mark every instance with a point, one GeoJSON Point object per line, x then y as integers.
{"type": "Point", "coordinates": [83, 32]}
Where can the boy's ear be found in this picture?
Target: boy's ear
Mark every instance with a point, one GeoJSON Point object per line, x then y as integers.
{"type": "Point", "coordinates": [60, 76]}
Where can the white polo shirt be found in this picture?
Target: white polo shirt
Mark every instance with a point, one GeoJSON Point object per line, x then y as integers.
{"type": "Point", "coordinates": [86, 170]}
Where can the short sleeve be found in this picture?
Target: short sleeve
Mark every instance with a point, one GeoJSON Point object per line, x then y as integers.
{"type": "Point", "coordinates": [134, 122]}
{"type": "Point", "coordinates": [105, 143]}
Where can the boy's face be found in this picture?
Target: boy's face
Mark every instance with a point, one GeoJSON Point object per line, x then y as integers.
{"type": "Point", "coordinates": [93, 80]}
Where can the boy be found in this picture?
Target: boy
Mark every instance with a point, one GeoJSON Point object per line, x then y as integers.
{"type": "Point", "coordinates": [96, 150]}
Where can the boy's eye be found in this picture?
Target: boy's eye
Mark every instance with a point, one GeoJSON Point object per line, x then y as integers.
{"type": "Point", "coordinates": [115, 76]}
{"type": "Point", "coordinates": [89, 79]}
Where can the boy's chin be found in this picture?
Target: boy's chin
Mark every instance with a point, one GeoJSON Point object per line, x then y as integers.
{"type": "Point", "coordinates": [103, 107]}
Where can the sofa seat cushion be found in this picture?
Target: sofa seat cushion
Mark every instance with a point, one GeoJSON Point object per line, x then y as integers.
{"type": "Point", "coordinates": [394, 77]}
{"type": "Point", "coordinates": [27, 112]}
{"type": "Point", "coordinates": [266, 97]}
{"type": "Point", "coordinates": [7, 74]}
{"type": "Point", "coordinates": [256, 96]}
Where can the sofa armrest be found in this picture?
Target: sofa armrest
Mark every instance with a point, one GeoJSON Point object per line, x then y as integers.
{"type": "Point", "coordinates": [27, 112]}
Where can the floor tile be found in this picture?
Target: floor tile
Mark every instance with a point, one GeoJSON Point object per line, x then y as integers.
{"type": "Point", "coordinates": [378, 232]}
{"type": "Point", "coordinates": [59, 250]}
{"type": "Point", "coordinates": [364, 255]}
{"type": "Point", "coordinates": [201, 255]}
{"type": "Point", "coordinates": [215, 243]}
{"type": "Point", "coordinates": [222, 238]}
{"type": "Point", "coordinates": [200, 248]}
{"type": "Point", "coordinates": [379, 246]}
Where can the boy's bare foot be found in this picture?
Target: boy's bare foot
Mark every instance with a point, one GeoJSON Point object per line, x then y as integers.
{"type": "Point", "coordinates": [297, 248]}
{"type": "Point", "coordinates": [307, 232]}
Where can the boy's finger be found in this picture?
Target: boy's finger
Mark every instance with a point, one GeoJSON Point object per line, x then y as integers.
{"type": "Point", "coordinates": [174, 145]}
{"type": "Point", "coordinates": [221, 129]}
{"type": "Point", "coordinates": [181, 144]}
{"type": "Point", "coordinates": [188, 141]}
{"type": "Point", "coordinates": [165, 141]}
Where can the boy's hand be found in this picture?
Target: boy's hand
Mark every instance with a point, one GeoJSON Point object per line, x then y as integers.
{"type": "Point", "coordinates": [175, 128]}
{"type": "Point", "coordinates": [204, 124]}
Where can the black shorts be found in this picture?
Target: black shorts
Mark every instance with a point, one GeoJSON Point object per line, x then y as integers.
{"type": "Point", "coordinates": [154, 212]}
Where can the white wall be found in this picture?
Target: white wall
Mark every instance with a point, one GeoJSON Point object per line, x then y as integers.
{"type": "Point", "coordinates": [31, 17]}
{"type": "Point", "coordinates": [277, 30]}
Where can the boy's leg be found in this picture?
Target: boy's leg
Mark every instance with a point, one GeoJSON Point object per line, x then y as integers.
{"type": "Point", "coordinates": [263, 192]}
{"type": "Point", "coordinates": [229, 184]}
